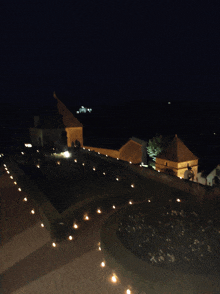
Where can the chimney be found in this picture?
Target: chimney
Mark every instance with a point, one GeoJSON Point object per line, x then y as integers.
{"type": "Point", "coordinates": [36, 121]}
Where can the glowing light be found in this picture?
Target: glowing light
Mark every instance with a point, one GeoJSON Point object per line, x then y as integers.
{"type": "Point", "coordinates": [113, 207]}
{"type": "Point", "coordinates": [58, 162]}
{"type": "Point", "coordinates": [180, 177]}
{"type": "Point", "coordinates": [169, 102]}
{"type": "Point", "coordinates": [132, 185]}
{"type": "Point", "coordinates": [83, 163]}
{"type": "Point", "coordinates": [130, 202]}
{"type": "Point", "coordinates": [70, 237]}
{"type": "Point", "coordinates": [28, 145]}
{"type": "Point", "coordinates": [106, 155]}
{"type": "Point", "coordinates": [178, 200]}
{"type": "Point", "coordinates": [103, 264]}
{"type": "Point", "coordinates": [94, 168]}
{"type": "Point", "coordinates": [8, 172]}
{"type": "Point", "coordinates": [128, 291]}
{"type": "Point", "coordinates": [149, 200]}
{"type": "Point", "coordinates": [4, 164]}
{"type": "Point", "coordinates": [158, 171]}
{"type": "Point", "coordinates": [104, 173]}
{"type": "Point", "coordinates": [83, 148]}
{"type": "Point", "coordinates": [11, 177]}
{"type": "Point", "coordinates": [38, 166]}
{"type": "Point", "coordinates": [54, 244]}
{"type": "Point", "coordinates": [66, 154]}
{"type": "Point", "coordinates": [32, 211]}
{"type": "Point", "coordinates": [75, 226]}
{"type": "Point", "coordinates": [22, 153]}
{"type": "Point", "coordinates": [88, 149]}
{"type": "Point", "coordinates": [100, 248]}
{"type": "Point", "coordinates": [25, 199]}
{"type": "Point", "coordinates": [42, 225]}
{"type": "Point", "coordinates": [15, 183]}
{"type": "Point", "coordinates": [114, 278]}
{"type": "Point", "coordinates": [99, 211]}
{"type": "Point", "coordinates": [19, 189]}
{"type": "Point", "coordinates": [37, 150]}
{"type": "Point", "coordinates": [98, 152]}
{"type": "Point", "coordinates": [6, 168]}
{"type": "Point", "coordinates": [75, 160]}
{"type": "Point", "coordinates": [117, 158]}
{"type": "Point", "coordinates": [117, 179]}
{"type": "Point", "coordinates": [130, 162]}
{"type": "Point", "coordinates": [86, 217]}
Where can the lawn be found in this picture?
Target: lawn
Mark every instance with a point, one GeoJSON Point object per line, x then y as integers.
{"type": "Point", "coordinates": [87, 175]}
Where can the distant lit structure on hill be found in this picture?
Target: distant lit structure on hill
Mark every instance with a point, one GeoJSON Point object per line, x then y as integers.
{"type": "Point", "coordinates": [84, 110]}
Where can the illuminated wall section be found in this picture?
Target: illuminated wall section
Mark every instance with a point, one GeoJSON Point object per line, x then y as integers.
{"type": "Point", "coordinates": [131, 151]}
{"type": "Point", "coordinates": [73, 134]}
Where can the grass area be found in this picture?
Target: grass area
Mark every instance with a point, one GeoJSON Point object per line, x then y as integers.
{"type": "Point", "coordinates": [70, 182]}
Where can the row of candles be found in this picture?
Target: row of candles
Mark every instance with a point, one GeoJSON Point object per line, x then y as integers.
{"type": "Point", "coordinates": [113, 278]}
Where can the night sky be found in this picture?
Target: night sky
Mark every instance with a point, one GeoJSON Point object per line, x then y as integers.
{"type": "Point", "coordinates": [106, 52]}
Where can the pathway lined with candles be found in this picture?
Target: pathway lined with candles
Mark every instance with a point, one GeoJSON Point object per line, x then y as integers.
{"type": "Point", "coordinates": [74, 266]}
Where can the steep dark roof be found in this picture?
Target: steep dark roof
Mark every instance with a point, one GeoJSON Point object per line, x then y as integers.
{"type": "Point", "coordinates": [177, 152]}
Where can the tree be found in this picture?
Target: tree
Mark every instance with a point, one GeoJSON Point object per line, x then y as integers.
{"type": "Point", "coordinates": [156, 145]}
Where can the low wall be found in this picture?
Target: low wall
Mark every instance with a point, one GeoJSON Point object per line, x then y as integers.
{"type": "Point", "coordinates": [142, 275]}
{"type": "Point", "coordinates": [109, 152]}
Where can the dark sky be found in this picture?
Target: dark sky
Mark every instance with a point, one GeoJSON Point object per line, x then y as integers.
{"type": "Point", "coordinates": [107, 51]}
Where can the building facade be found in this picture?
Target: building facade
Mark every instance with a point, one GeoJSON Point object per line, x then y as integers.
{"type": "Point", "coordinates": [178, 160]}
{"type": "Point", "coordinates": [51, 128]}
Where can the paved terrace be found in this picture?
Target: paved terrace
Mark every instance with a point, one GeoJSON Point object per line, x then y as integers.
{"type": "Point", "coordinates": [30, 264]}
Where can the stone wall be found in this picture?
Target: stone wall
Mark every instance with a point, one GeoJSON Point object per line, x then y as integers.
{"type": "Point", "coordinates": [131, 151]}
{"type": "Point", "coordinates": [74, 134]}
{"type": "Point", "coordinates": [109, 152]}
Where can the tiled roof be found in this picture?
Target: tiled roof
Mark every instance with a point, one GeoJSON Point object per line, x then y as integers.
{"type": "Point", "coordinates": [177, 152]}
{"type": "Point", "coordinates": [139, 141]}
{"type": "Point", "coordinates": [69, 119]}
